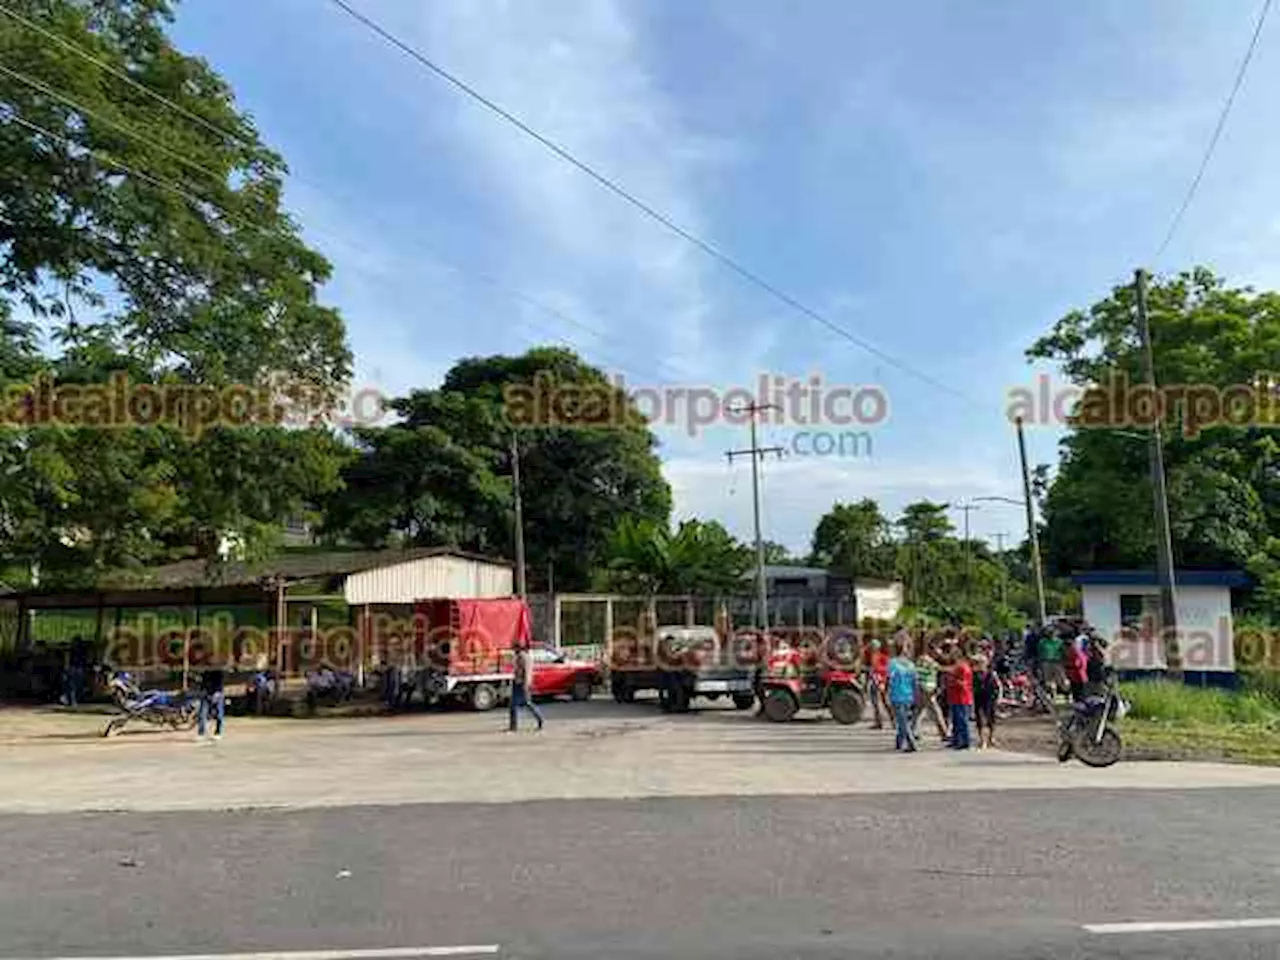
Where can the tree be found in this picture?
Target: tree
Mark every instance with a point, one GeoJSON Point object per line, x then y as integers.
{"type": "Point", "coordinates": [777, 553]}
{"type": "Point", "coordinates": [443, 473]}
{"type": "Point", "coordinates": [148, 240]}
{"type": "Point", "coordinates": [699, 558]}
{"type": "Point", "coordinates": [1224, 495]}
{"type": "Point", "coordinates": [854, 539]}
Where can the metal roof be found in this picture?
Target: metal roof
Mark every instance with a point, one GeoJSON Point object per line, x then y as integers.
{"type": "Point", "coordinates": [288, 566]}
{"type": "Point", "coordinates": [1147, 578]}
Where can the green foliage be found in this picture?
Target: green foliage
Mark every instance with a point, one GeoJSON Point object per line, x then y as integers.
{"type": "Point", "coordinates": [1180, 703]}
{"type": "Point", "coordinates": [209, 283]}
{"type": "Point", "coordinates": [443, 474]}
{"type": "Point", "coordinates": [1224, 480]}
{"type": "Point", "coordinates": [700, 558]}
{"type": "Point", "coordinates": [855, 540]}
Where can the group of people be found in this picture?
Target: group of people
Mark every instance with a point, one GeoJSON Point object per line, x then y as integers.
{"type": "Point", "coordinates": [953, 684]}
{"type": "Point", "coordinates": [955, 679]}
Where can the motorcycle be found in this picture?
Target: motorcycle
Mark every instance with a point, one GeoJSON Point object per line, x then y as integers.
{"type": "Point", "coordinates": [1088, 734]}
{"type": "Point", "coordinates": [260, 692]}
{"type": "Point", "coordinates": [329, 686]}
{"type": "Point", "coordinates": [176, 710]}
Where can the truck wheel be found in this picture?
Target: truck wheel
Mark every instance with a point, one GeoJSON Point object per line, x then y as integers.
{"type": "Point", "coordinates": [483, 697]}
{"type": "Point", "coordinates": [743, 701]}
{"type": "Point", "coordinates": [581, 688]}
{"type": "Point", "coordinates": [845, 706]}
{"type": "Point", "coordinates": [780, 705]}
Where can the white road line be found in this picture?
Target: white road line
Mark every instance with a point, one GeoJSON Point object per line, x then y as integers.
{"type": "Point", "coordinates": [384, 953]}
{"type": "Point", "coordinates": [1182, 926]}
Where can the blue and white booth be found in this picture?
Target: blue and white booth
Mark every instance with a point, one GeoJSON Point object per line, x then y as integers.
{"type": "Point", "coordinates": [1124, 606]}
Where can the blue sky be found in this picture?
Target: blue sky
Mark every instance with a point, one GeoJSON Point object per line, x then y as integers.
{"type": "Point", "coordinates": [943, 180]}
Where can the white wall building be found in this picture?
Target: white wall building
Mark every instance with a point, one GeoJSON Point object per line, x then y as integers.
{"type": "Point", "coordinates": [1124, 606]}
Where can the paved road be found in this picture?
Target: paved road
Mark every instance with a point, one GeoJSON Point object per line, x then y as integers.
{"type": "Point", "coordinates": [938, 875]}
{"type": "Point", "coordinates": [599, 750]}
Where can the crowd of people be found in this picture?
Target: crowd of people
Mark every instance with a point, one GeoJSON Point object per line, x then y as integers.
{"type": "Point", "coordinates": [954, 680]}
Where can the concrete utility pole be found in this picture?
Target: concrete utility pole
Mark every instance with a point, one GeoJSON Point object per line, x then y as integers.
{"type": "Point", "coordinates": [1033, 535]}
{"type": "Point", "coordinates": [757, 453]}
{"type": "Point", "coordinates": [967, 508]}
{"type": "Point", "coordinates": [1004, 571]}
{"type": "Point", "coordinates": [519, 531]}
{"type": "Point", "coordinates": [1164, 541]}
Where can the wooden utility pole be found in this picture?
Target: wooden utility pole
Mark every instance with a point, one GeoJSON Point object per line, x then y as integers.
{"type": "Point", "coordinates": [757, 453]}
{"type": "Point", "coordinates": [519, 519]}
{"type": "Point", "coordinates": [1164, 541]}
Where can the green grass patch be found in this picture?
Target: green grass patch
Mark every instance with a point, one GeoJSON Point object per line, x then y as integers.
{"type": "Point", "coordinates": [1241, 742]}
{"type": "Point", "coordinates": [1179, 703]}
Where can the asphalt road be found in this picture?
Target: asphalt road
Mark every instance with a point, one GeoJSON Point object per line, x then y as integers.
{"type": "Point", "coordinates": [936, 875]}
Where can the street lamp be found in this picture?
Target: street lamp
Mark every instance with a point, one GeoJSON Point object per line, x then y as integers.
{"type": "Point", "coordinates": [1034, 539]}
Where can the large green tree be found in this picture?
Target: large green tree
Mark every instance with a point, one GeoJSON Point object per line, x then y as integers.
{"type": "Point", "coordinates": [854, 539]}
{"type": "Point", "coordinates": [1223, 477]}
{"type": "Point", "coordinates": [443, 473]}
{"type": "Point", "coordinates": [141, 233]}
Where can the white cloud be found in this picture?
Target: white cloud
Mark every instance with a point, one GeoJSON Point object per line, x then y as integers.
{"type": "Point", "coordinates": [578, 73]}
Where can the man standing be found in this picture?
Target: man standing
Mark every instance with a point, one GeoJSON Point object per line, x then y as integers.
{"type": "Point", "coordinates": [960, 700]}
{"type": "Point", "coordinates": [902, 696]}
{"type": "Point", "coordinates": [1052, 649]}
{"type": "Point", "coordinates": [522, 687]}
{"type": "Point", "coordinates": [212, 699]}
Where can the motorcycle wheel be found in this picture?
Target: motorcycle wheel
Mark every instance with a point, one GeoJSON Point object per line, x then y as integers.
{"type": "Point", "coordinates": [1100, 753]}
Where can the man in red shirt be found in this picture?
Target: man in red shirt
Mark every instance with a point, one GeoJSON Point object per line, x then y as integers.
{"type": "Point", "coordinates": [960, 700]}
{"type": "Point", "coordinates": [876, 660]}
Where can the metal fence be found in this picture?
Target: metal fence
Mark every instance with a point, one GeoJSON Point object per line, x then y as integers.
{"type": "Point", "coordinates": [588, 620]}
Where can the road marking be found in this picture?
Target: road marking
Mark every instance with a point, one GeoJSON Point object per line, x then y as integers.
{"type": "Point", "coordinates": [383, 953]}
{"type": "Point", "coordinates": [1181, 926]}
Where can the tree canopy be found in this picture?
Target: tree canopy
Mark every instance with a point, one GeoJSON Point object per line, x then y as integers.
{"type": "Point", "coordinates": [142, 235]}
{"type": "Point", "coordinates": [1223, 477]}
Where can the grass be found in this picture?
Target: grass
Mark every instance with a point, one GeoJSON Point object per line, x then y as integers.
{"type": "Point", "coordinates": [1177, 721]}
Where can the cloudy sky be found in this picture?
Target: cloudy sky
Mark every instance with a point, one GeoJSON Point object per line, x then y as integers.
{"type": "Point", "coordinates": [940, 180]}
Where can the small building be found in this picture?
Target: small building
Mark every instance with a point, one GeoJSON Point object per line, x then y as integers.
{"type": "Point", "coordinates": [1124, 606]}
{"type": "Point", "coordinates": [817, 596]}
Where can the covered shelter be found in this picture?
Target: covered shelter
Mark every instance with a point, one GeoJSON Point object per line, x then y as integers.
{"type": "Point", "coordinates": [329, 599]}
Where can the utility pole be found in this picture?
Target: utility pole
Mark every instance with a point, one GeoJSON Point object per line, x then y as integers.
{"type": "Point", "coordinates": [519, 531]}
{"type": "Point", "coordinates": [967, 508]}
{"type": "Point", "coordinates": [757, 453]}
{"type": "Point", "coordinates": [1004, 571]}
{"type": "Point", "coordinates": [1033, 536]}
{"type": "Point", "coordinates": [1164, 541]}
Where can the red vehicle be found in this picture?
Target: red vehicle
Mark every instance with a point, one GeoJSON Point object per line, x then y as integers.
{"type": "Point", "coordinates": [466, 647]}
{"type": "Point", "coordinates": [555, 675]}
{"type": "Point", "coordinates": [815, 673]}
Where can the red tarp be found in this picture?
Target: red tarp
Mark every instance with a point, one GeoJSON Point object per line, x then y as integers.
{"type": "Point", "coordinates": [473, 636]}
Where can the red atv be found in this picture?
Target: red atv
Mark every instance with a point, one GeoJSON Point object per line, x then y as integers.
{"type": "Point", "coordinates": [800, 678]}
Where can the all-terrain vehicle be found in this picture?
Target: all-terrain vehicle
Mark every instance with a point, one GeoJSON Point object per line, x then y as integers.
{"type": "Point", "coordinates": [813, 672]}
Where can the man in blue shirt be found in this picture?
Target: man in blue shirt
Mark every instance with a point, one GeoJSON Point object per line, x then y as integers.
{"type": "Point", "coordinates": [902, 696]}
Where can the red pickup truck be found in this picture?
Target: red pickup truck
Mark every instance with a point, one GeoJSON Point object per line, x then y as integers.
{"type": "Point", "coordinates": [556, 675]}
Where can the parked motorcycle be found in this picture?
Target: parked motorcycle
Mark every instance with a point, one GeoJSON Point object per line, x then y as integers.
{"type": "Point", "coordinates": [260, 692]}
{"type": "Point", "coordinates": [329, 686]}
{"type": "Point", "coordinates": [176, 710]}
{"type": "Point", "coordinates": [1087, 732]}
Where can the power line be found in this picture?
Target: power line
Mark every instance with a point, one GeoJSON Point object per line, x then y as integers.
{"type": "Point", "coordinates": [124, 128]}
{"type": "Point", "coordinates": [493, 282]}
{"type": "Point", "coordinates": [506, 289]}
{"type": "Point", "coordinates": [1217, 132]}
{"type": "Point", "coordinates": [122, 75]}
{"type": "Point", "coordinates": [614, 187]}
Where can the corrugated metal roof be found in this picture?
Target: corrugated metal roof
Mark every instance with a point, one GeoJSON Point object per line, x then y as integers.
{"type": "Point", "coordinates": [290, 566]}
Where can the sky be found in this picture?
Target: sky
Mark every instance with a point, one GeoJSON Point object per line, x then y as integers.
{"type": "Point", "coordinates": [942, 181]}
